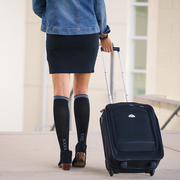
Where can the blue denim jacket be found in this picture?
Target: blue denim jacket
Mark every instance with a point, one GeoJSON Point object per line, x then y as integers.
{"type": "Point", "coordinates": [71, 17]}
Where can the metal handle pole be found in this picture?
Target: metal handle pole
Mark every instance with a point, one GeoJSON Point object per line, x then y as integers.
{"type": "Point", "coordinates": [112, 74]}
{"type": "Point", "coordinates": [122, 72]}
{"type": "Point", "coordinates": [107, 82]}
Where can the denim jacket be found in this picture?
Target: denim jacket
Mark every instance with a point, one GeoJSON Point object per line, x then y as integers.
{"type": "Point", "coordinates": [72, 17]}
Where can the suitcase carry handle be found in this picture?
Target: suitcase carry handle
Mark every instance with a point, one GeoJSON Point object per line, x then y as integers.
{"type": "Point", "coordinates": [114, 49]}
{"type": "Point", "coordinates": [122, 73]}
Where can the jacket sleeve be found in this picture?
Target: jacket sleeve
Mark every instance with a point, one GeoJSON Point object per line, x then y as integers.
{"type": "Point", "coordinates": [38, 7]}
{"type": "Point", "coordinates": [100, 11]}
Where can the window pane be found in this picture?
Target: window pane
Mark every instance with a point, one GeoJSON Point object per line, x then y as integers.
{"type": "Point", "coordinates": [141, 0]}
{"type": "Point", "coordinates": [139, 84]}
{"type": "Point", "coordinates": [141, 21]}
{"type": "Point", "coordinates": [140, 54]}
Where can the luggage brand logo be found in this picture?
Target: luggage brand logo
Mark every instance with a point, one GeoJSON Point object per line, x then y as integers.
{"type": "Point", "coordinates": [131, 116]}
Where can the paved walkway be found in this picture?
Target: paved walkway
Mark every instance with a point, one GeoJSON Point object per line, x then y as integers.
{"type": "Point", "coordinates": [34, 156]}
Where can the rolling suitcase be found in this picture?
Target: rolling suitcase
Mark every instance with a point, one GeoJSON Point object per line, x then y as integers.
{"type": "Point", "coordinates": [131, 135]}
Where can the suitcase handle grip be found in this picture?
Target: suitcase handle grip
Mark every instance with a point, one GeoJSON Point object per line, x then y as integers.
{"type": "Point", "coordinates": [114, 49]}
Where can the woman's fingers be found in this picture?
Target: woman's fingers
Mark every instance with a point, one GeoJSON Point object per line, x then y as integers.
{"type": "Point", "coordinates": [107, 45]}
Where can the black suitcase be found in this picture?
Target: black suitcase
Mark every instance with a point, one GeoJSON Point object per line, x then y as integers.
{"type": "Point", "coordinates": [131, 135]}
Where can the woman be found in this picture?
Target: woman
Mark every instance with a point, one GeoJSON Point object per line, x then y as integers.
{"type": "Point", "coordinates": [73, 29]}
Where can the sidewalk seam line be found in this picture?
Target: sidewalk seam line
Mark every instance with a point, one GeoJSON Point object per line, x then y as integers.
{"type": "Point", "coordinates": [171, 149]}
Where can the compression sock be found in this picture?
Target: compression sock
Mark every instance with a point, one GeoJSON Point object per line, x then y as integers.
{"type": "Point", "coordinates": [81, 112]}
{"type": "Point", "coordinates": [61, 120]}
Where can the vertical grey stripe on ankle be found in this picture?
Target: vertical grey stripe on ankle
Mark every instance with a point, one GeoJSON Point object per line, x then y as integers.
{"type": "Point", "coordinates": [61, 97]}
{"type": "Point", "coordinates": [81, 96]}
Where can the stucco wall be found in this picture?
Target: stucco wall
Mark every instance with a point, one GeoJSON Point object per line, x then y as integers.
{"type": "Point", "coordinates": [12, 57]}
{"type": "Point", "coordinates": [163, 58]}
{"type": "Point", "coordinates": [34, 54]}
{"type": "Point", "coordinates": [163, 55]}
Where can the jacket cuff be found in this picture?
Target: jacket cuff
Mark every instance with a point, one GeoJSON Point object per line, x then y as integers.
{"type": "Point", "coordinates": [106, 31]}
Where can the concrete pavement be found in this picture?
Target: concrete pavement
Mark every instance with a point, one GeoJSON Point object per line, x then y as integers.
{"type": "Point", "coordinates": [34, 156]}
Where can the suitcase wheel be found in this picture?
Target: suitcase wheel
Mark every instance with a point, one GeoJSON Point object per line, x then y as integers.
{"type": "Point", "coordinates": [152, 172]}
{"type": "Point", "coordinates": [111, 173]}
{"type": "Point", "coordinates": [124, 164]}
{"type": "Point", "coordinates": [153, 164]}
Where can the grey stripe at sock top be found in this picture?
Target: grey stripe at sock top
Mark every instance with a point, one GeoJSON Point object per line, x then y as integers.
{"type": "Point", "coordinates": [81, 96]}
{"type": "Point", "coordinates": [61, 97]}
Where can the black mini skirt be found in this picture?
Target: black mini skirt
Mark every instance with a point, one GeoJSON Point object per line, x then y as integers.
{"type": "Point", "coordinates": [72, 53]}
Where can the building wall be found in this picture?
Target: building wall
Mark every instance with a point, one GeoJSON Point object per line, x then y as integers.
{"type": "Point", "coordinates": [12, 57]}
{"type": "Point", "coordinates": [163, 56]}
{"type": "Point", "coordinates": [33, 70]}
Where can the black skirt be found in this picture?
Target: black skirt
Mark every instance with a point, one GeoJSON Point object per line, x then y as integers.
{"type": "Point", "coordinates": [72, 53]}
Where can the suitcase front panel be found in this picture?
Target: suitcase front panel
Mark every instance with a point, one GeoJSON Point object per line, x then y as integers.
{"type": "Point", "coordinates": [132, 129]}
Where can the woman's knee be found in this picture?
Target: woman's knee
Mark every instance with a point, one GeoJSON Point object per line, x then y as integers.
{"type": "Point", "coordinates": [81, 83]}
{"type": "Point", "coordinates": [80, 91]}
{"type": "Point", "coordinates": [61, 84]}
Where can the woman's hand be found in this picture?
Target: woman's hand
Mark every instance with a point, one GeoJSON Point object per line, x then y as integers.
{"type": "Point", "coordinates": [107, 45]}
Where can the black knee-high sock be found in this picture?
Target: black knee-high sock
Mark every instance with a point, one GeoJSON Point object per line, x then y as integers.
{"type": "Point", "coordinates": [81, 111]}
{"type": "Point", "coordinates": [61, 120]}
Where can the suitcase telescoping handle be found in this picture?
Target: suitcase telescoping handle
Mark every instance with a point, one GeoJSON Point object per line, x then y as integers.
{"type": "Point", "coordinates": [122, 73]}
